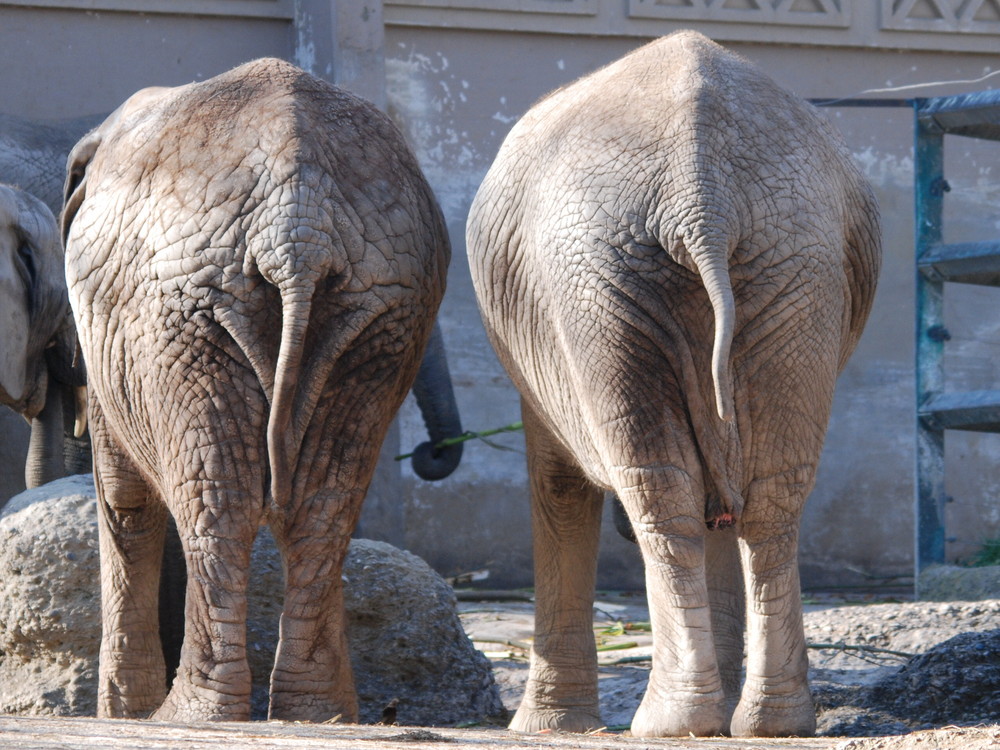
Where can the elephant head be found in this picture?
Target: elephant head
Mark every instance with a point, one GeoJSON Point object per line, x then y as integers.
{"type": "Point", "coordinates": [39, 367]}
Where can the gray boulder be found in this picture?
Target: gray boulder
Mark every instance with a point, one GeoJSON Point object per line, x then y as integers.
{"type": "Point", "coordinates": [50, 624]}
{"type": "Point", "coordinates": [407, 644]}
{"type": "Point", "coordinates": [954, 583]}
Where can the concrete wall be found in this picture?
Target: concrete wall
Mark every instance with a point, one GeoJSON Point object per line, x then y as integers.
{"type": "Point", "coordinates": [458, 73]}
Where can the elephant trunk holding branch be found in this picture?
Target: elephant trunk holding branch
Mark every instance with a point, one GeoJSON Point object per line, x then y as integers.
{"type": "Point", "coordinates": [39, 372]}
{"type": "Point", "coordinates": [254, 263]}
{"type": "Point", "coordinates": [674, 258]}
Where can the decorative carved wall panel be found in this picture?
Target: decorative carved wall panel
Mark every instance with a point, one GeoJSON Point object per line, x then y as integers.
{"type": "Point", "coordinates": [787, 12]}
{"type": "Point", "coordinates": [574, 7]}
{"type": "Point", "coordinates": [971, 16]}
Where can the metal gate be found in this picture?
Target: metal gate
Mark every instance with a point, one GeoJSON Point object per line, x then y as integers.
{"type": "Point", "coordinates": [974, 116]}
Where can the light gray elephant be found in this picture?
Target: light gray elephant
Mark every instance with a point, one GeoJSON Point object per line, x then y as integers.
{"type": "Point", "coordinates": [254, 264]}
{"type": "Point", "coordinates": [674, 259]}
{"type": "Point", "coordinates": [38, 374]}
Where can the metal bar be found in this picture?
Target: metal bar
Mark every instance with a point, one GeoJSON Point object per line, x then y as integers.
{"type": "Point", "coordinates": [859, 102]}
{"type": "Point", "coordinates": [973, 115]}
{"type": "Point", "coordinates": [958, 102]}
{"type": "Point", "coordinates": [978, 411]}
{"type": "Point", "coordinates": [964, 262]}
{"type": "Point", "coordinates": [929, 485]}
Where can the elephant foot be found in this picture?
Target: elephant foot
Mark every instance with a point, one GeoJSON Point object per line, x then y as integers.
{"type": "Point", "coordinates": [532, 720]}
{"type": "Point", "coordinates": [772, 714]}
{"type": "Point", "coordinates": [191, 710]}
{"type": "Point", "coordinates": [701, 715]}
{"type": "Point", "coordinates": [309, 707]}
{"type": "Point", "coordinates": [221, 700]}
{"type": "Point", "coordinates": [129, 700]}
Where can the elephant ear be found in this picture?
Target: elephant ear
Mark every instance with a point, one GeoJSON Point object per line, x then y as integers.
{"type": "Point", "coordinates": [64, 357]}
{"type": "Point", "coordinates": [75, 188]}
{"type": "Point", "coordinates": [82, 156]}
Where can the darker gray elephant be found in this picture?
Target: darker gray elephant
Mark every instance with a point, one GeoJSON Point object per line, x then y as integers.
{"type": "Point", "coordinates": [33, 153]}
{"type": "Point", "coordinates": [33, 157]}
{"type": "Point", "coordinates": [254, 264]}
{"type": "Point", "coordinates": [674, 259]}
{"type": "Point", "coordinates": [38, 371]}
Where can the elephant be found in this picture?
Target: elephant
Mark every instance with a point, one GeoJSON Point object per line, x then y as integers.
{"type": "Point", "coordinates": [254, 263]}
{"type": "Point", "coordinates": [39, 368]}
{"type": "Point", "coordinates": [674, 258]}
{"type": "Point", "coordinates": [33, 157]}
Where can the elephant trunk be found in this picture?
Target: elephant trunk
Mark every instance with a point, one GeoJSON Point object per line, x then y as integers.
{"type": "Point", "coordinates": [436, 399]}
{"type": "Point", "coordinates": [45, 447]}
{"type": "Point", "coordinates": [714, 271]}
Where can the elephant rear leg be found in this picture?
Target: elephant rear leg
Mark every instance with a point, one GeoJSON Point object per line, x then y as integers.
{"type": "Point", "coordinates": [216, 522]}
{"type": "Point", "coordinates": [775, 700]}
{"type": "Point", "coordinates": [727, 602]}
{"type": "Point", "coordinates": [685, 694]}
{"type": "Point", "coordinates": [561, 692]}
{"type": "Point", "coordinates": [312, 678]}
{"type": "Point", "coordinates": [132, 524]}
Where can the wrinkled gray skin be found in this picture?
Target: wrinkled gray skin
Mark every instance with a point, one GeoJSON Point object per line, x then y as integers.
{"type": "Point", "coordinates": [254, 263]}
{"type": "Point", "coordinates": [673, 281]}
{"type": "Point", "coordinates": [37, 348]}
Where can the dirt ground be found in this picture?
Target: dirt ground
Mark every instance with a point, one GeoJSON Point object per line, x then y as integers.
{"type": "Point", "coordinates": [867, 643]}
{"type": "Point", "coordinates": [38, 733]}
{"type": "Point", "coordinates": [901, 674]}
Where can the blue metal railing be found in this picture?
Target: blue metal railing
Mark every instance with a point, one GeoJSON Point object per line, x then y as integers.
{"type": "Point", "coordinates": [974, 115]}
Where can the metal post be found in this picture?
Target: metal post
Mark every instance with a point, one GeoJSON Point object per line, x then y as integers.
{"type": "Point", "coordinates": [929, 190]}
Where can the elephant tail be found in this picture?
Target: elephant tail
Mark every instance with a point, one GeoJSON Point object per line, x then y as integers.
{"type": "Point", "coordinates": [296, 306]}
{"type": "Point", "coordinates": [713, 267]}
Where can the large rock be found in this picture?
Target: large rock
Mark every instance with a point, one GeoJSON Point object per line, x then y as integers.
{"type": "Point", "coordinates": [406, 641]}
{"type": "Point", "coordinates": [50, 623]}
{"type": "Point", "coordinates": [954, 583]}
